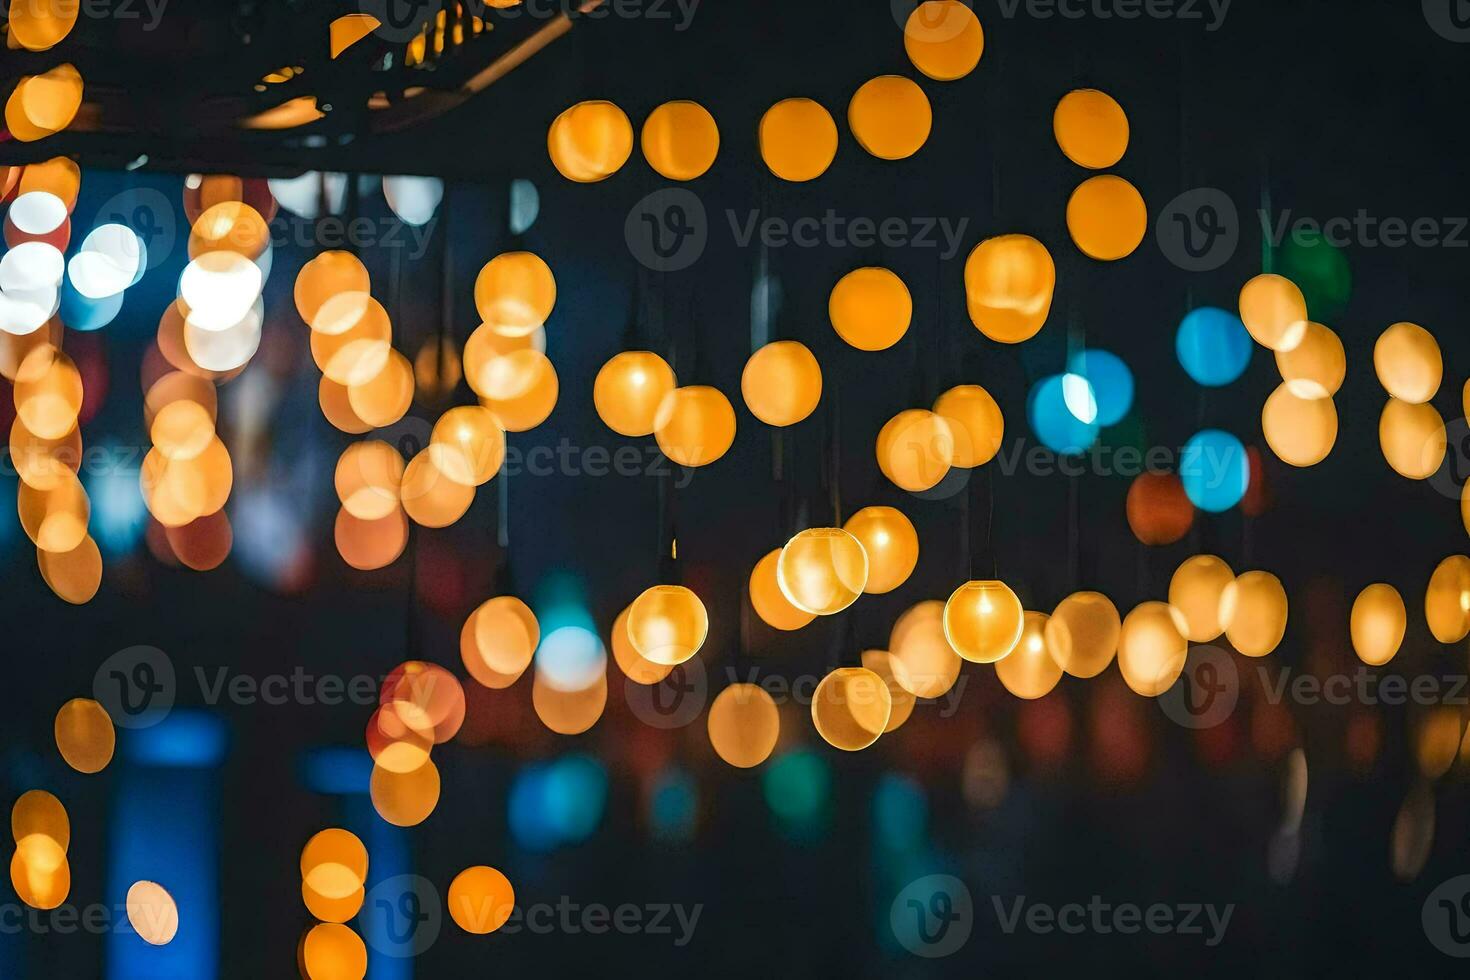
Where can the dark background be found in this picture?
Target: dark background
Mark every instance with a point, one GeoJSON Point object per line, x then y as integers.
{"type": "Point", "coordinates": [1324, 108]}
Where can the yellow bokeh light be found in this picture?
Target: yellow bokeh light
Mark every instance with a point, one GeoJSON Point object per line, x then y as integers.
{"type": "Point", "coordinates": [1315, 368]}
{"type": "Point", "coordinates": [326, 275]}
{"type": "Point", "coordinates": [84, 735]}
{"type": "Point", "coordinates": [891, 544]}
{"type": "Point", "coordinates": [348, 29]}
{"type": "Point", "coordinates": [39, 873]}
{"type": "Point", "coordinates": [633, 665]}
{"type": "Point", "coordinates": [1408, 363]}
{"type": "Point", "coordinates": [372, 544]}
{"type": "Point", "coordinates": [1152, 648]}
{"type": "Point", "coordinates": [55, 520]}
{"type": "Point", "coordinates": [385, 398]}
{"type": "Point", "coordinates": [230, 226]}
{"type": "Point", "coordinates": [890, 117]}
{"type": "Point", "coordinates": [915, 449]}
{"type": "Point", "coordinates": [73, 575]}
{"type": "Point", "coordinates": [336, 404]}
{"type": "Point", "coordinates": [944, 39]}
{"type": "Point", "coordinates": [394, 745]}
{"type": "Point", "coordinates": [782, 383]}
{"type": "Point", "coordinates": [667, 624]}
{"type": "Point", "coordinates": [923, 662]}
{"type": "Point", "coordinates": [332, 951]}
{"type": "Point", "coordinates": [1300, 431]}
{"type": "Point", "coordinates": [1009, 282]}
{"type": "Point", "coordinates": [1195, 590]}
{"type": "Point", "coordinates": [429, 497]}
{"type": "Point", "coordinates": [1377, 624]}
{"type": "Point", "coordinates": [850, 708]}
{"type": "Point", "coordinates": [334, 863]}
{"type": "Point", "coordinates": [880, 662]}
{"type": "Point", "coordinates": [1254, 610]}
{"type": "Point", "coordinates": [976, 422]}
{"type": "Point", "coordinates": [1447, 600]}
{"type": "Point", "coordinates": [770, 604]}
{"type": "Point", "coordinates": [41, 462]}
{"type": "Point", "coordinates": [590, 141]}
{"type": "Point", "coordinates": [468, 445]}
{"type": "Point", "coordinates": [1107, 218]}
{"type": "Point", "coordinates": [870, 308]}
{"type": "Point", "coordinates": [1082, 633]}
{"type": "Point", "coordinates": [1030, 671]}
{"type": "Point", "coordinates": [351, 338]}
{"type": "Point", "coordinates": [39, 812]}
{"type": "Point", "coordinates": [743, 725]}
{"type": "Point", "coordinates": [983, 620]}
{"type": "Point", "coordinates": [694, 425]}
{"type": "Point", "coordinates": [41, 105]}
{"type": "Point", "coordinates": [1274, 310]}
{"type": "Point", "coordinates": [60, 176]}
{"type": "Point", "coordinates": [37, 25]}
{"type": "Point", "coordinates": [628, 390]}
{"type": "Point", "coordinates": [481, 900]}
{"type": "Point", "coordinates": [822, 570]}
{"type": "Point", "coordinates": [515, 293]}
{"type": "Point", "coordinates": [152, 913]}
{"type": "Point", "coordinates": [1438, 741]}
{"type": "Point", "coordinates": [1412, 438]}
{"type": "Point", "coordinates": [1091, 128]}
{"type": "Point", "coordinates": [405, 799]}
{"type": "Point", "coordinates": [680, 140]}
{"type": "Point", "coordinates": [798, 139]}
{"type": "Point", "coordinates": [182, 429]}
{"type": "Point", "coordinates": [437, 369]}
{"type": "Point", "coordinates": [331, 909]}
{"type": "Point", "coordinates": [498, 641]}
{"type": "Point", "coordinates": [48, 392]}
{"type": "Point", "coordinates": [537, 391]}
{"type": "Point", "coordinates": [569, 712]}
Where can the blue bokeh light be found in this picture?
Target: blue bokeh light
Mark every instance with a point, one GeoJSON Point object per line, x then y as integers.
{"type": "Point", "coordinates": [557, 803]}
{"type": "Point", "coordinates": [1053, 422]}
{"type": "Point", "coordinates": [673, 805]}
{"type": "Point", "coordinates": [119, 515]}
{"type": "Point", "coordinates": [83, 313]}
{"type": "Point", "coordinates": [1213, 346]}
{"type": "Point", "coordinates": [1215, 470]}
{"type": "Point", "coordinates": [1112, 383]}
{"type": "Point", "coordinates": [571, 658]}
